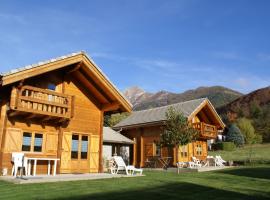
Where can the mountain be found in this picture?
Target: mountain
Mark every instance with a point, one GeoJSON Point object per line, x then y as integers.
{"type": "Point", "coordinates": [141, 99]}
{"type": "Point", "coordinates": [247, 104]}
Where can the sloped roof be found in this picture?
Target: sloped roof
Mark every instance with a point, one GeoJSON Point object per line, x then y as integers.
{"type": "Point", "coordinates": [159, 114]}
{"type": "Point", "coordinates": [27, 67]}
{"type": "Point", "coordinates": [112, 136]}
{"type": "Point", "coordinates": [29, 71]}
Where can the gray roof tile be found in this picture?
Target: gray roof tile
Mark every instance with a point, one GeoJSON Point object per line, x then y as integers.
{"type": "Point", "coordinates": [159, 114]}
{"type": "Point", "coordinates": [112, 136]}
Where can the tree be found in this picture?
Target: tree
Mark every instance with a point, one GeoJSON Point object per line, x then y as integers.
{"type": "Point", "coordinates": [177, 130]}
{"type": "Point", "coordinates": [114, 119]}
{"type": "Point", "coordinates": [234, 135]}
{"type": "Point", "coordinates": [255, 110]}
{"type": "Point", "coordinates": [246, 129]}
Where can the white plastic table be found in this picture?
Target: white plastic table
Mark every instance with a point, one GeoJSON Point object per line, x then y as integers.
{"type": "Point", "coordinates": [29, 159]}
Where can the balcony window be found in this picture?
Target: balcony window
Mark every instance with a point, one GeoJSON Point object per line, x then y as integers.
{"type": "Point", "coordinates": [52, 86]}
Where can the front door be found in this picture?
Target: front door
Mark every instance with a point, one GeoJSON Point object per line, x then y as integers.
{"type": "Point", "coordinates": [79, 153]}
{"type": "Point", "coordinates": [183, 153]}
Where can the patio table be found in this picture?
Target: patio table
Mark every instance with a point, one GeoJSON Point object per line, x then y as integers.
{"type": "Point", "coordinates": [29, 159]}
{"type": "Point", "coordinates": [165, 161]}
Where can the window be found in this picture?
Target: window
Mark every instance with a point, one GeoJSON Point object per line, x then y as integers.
{"type": "Point", "coordinates": [27, 137]}
{"type": "Point", "coordinates": [38, 142]}
{"type": "Point", "coordinates": [199, 149]}
{"type": "Point", "coordinates": [184, 151]}
{"type": "Point", "coordinates": [158, 149]}
{"type": "Point", "coordinates": [84, 147]}
{"type": "Point", "coordinates": [32, 142]}
{"type": "Point", "coordinates": [52, 86]}
{"type": "Point", "coordinates": [75, 146]}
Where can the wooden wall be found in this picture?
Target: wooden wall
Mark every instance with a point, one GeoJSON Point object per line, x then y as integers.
{"type": "Point", "coordinates": [87, 120]}
{"type": "Point", "coordinates": [146, 138]}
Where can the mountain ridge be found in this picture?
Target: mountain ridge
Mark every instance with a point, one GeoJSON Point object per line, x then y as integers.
{"type": "Point", "coordinates": [141, 99]}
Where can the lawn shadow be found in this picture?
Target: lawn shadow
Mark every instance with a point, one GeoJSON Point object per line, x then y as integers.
{"type": "Point", "coordinates": [259, 172]}
{"type": "Point", "coordinates": [187, 191]}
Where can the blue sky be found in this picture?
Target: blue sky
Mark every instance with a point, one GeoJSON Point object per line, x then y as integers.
{"type": "Point", "coordinates": [157, 45]}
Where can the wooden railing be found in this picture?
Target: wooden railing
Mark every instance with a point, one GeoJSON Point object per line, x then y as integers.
{"type": "Point", "coordinates": [206, 130]}
{"type": "Point", "coordinates": [42, 102]}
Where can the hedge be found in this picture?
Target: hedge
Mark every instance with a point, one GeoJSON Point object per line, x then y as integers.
{"type": "Point", "coordinates": [226, 146]}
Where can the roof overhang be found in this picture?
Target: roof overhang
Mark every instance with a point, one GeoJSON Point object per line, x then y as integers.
{"type": "Point", "coordinates": [206, 102]}
{"type": "Point", "coordinates": [85, 70]}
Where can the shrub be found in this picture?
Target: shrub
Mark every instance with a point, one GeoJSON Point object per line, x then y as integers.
{"type": "Point", "coordinates": [246, 129]}
{"type": "Point", "coordinates": [234, 135]}
{"type": "Point", "coordinates": [226, 146]}
{"type": "Point", "coordinates": [258, 139]}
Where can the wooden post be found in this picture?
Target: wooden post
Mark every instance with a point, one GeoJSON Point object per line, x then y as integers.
{"type": "Point", "coordinates": [142, 149]}
{"type": "Point", "coordinates": [101, 143]}
{"type": "Point", "coordinates": [13, 99]}
{"type": "Point", "coordinates": [134, 163]}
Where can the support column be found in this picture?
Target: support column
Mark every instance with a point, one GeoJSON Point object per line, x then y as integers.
{"type": "Point", "coordinates": [141, 148]}
{"type": "Point", "coordinates": [134, 163]}
{"type": "Point", "coordinates": [101, 143]}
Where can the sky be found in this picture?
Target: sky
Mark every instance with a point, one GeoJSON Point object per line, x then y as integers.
{"type": "Point", "coordinates": [172, 45]}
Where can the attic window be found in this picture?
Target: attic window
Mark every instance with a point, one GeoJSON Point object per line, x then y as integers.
{"type": "Point", "coordinates": [52, 86]}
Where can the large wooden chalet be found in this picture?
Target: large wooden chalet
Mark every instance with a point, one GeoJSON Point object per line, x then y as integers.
{"type": "Point", "coordinates": [145, 128]}
{"type": "Point", "coordinates": [55, 109]}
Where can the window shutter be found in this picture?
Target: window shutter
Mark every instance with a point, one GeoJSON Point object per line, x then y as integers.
{"type": "Point", "coordinates": [94, 153]}
{"type": "Point", "coordinates": [13, 141]}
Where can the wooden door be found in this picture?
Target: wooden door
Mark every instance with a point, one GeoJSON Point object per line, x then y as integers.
{"type": "Point", "coordinates": [66, 153]}
{"type": "Point", "coordinates": [80, 153]}
{"type": "Point", "coordinates": [183, 153]}
{"type": "Point", "coordinates": [149, 150]}
{"type": "Point", "coordinates": [94, 153]}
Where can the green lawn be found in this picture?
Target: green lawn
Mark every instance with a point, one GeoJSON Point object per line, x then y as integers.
{"type": "Point", "coordinates": [237, 183]}
{"type": "Point", "coordinates": [261, 153]}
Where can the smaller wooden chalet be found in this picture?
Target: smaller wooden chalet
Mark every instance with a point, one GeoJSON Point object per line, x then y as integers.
{"type": "Point", "coordinates": [115, 143]}
{"type": "Point", "coordinates": [55, 109]}
{"type": "Point", "coordinates": [145, 127]}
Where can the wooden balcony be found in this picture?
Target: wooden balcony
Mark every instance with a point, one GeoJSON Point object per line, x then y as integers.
{"type": "Point", "coordinates": [206, 130]}
{"type": "Point", "coordinates": [39, 102]}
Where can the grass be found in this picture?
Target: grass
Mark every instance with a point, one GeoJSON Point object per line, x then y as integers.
{"type": "Point", "coordinates": [261, 153]}
{"type": "Point", "coordinates": [236, 183]}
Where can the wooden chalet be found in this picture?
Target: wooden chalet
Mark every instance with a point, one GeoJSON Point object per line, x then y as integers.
{"type": "Point", "coordinates": [145, 128]}
{"type": "Point", "coordinates": [55, 109]}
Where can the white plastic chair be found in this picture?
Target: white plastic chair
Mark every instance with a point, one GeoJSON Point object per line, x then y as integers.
{"type": "Point", "coordinates": [196, 162]}
{"type": "Point", "coordinates": [219, 161]}
{"type": "Point", "coordinates": [121, 165]}
{"type": "Point", "coordinates": [18, 163]}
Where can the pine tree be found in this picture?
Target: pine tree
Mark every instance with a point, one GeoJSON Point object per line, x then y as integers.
{"type": "Point", "coordinates": [234, 135]}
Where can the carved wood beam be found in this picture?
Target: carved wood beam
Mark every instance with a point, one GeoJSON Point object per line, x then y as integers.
{"type": "Point", "coordinates": [76, 68]}
{"type": "Point", "coordinates": [110, 106]}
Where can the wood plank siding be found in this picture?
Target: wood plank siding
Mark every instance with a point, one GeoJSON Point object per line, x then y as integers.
{"type": "Point", "coordinates": [52, 112]}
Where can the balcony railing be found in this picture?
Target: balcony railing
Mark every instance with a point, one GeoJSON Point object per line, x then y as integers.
{"type": "Point", "coordinates": [44, 102]}
{"type": "Point", "coordinates": [206, 130]}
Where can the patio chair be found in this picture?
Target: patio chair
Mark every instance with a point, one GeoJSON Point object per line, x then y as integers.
{"type": "Point", "coordinates": [219, 161]}
{"type": "Point", "coordinates": [18, 163]}
{"type": "Point", "coordinates": [197, 162]}
{"type": "Point", "coordinates": [120, 165]}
